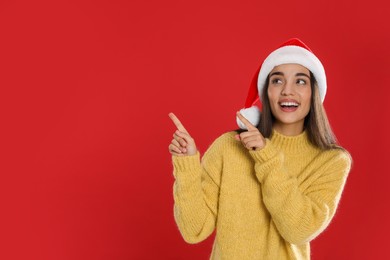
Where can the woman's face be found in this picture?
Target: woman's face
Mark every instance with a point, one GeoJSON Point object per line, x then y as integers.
{"type": "Point", "coordinates": [289, 93]}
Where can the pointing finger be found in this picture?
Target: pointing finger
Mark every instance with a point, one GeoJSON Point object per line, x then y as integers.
{"type": "Point", "coordinates": [245, 121]}
{"type": "Point", "coordinates": [177, 123]}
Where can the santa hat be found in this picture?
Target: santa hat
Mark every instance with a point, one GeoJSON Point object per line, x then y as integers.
{"type": "Point", "coordinates": [292, 51]}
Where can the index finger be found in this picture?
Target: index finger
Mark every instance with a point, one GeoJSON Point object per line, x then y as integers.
{"type": "Point", "coordinates": [246, 122]}
{"type": "Point", "coordinates": [177, 123]}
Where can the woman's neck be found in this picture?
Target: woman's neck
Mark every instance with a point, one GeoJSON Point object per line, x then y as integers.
{"type": "Point", "coordinates": [288, 129]}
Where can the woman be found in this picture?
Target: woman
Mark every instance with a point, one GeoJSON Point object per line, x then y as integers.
{"type": "Point", "coordinates": [271, 189]}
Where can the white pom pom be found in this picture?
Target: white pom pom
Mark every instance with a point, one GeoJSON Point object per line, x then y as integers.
{"type": "Point", "coordinates": [252, 114]}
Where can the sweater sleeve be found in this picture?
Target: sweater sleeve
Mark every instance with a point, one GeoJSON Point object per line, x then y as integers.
{"type": "Point", "coordinates": [301, 212]}
{"type": "Point", "coordinates": [196, 191]}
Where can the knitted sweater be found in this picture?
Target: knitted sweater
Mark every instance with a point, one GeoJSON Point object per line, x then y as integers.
{"type": "Point", "coordinates": [264, 204]}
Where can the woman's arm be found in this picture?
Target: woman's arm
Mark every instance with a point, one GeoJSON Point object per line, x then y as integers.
{"type": "Point", "coordinates": [301, 213]}
{"type": "Point", "coordinates": [196, 191]}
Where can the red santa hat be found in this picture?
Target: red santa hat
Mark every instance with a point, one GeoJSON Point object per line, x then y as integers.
{"type": "Point", "coordinates": [292, 51]}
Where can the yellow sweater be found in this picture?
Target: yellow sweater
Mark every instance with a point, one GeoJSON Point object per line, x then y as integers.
{"type": "Point", "coordinates": [266, 204]}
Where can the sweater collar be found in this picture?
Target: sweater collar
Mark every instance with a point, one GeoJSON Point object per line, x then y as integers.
{"type": "Point", "coordinates": [292, 144]}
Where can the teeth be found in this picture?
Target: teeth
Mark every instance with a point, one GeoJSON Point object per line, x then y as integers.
{"type": "Point", "coordinates": [289, 104]}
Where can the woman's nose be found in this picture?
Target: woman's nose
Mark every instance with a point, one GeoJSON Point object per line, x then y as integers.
{"type": "Point", "coordinates": [288, 89]}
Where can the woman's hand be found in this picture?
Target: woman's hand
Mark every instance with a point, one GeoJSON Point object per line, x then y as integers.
{"type": "Point", "coordinates": [182, 143]}
{"type": "Point", "coordinates": [251, 139]}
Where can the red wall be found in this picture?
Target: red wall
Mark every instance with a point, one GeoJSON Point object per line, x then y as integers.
{"type": "Point", "coordinates": [86, 88]}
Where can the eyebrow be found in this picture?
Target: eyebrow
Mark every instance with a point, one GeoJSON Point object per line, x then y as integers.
{"type": "Point", "coordinates": [302, 74]}
{"type": "Point", "coordinates": [282, 74]}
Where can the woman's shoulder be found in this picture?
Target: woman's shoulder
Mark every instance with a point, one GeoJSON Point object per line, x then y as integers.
{"type": "Point", "coordinates": [225, 141]}
{"type": "Point", "coordinates": [227, 136]}
{"type": "Point", "coordinates": [338, 150]}
{"type": "Point", "coordinates": [338, 154]}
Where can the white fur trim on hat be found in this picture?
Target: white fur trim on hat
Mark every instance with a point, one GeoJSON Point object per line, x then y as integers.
{"type": "Point", "coordinates": [293, 54]}
{"type": "Point", "coordinates": [252, 114]}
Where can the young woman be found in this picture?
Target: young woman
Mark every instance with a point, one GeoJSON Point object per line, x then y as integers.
{"type": "Point", "coordinates": [270, 189]}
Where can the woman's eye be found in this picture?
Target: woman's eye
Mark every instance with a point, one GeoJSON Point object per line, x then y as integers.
{"type": "Point", "coordinates": [301, 82]}
{"type": "Point", "coordinates": [276, 81]}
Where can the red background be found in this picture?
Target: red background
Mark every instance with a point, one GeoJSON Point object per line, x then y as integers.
{"type": "Point", "coordinates": [86, 88]}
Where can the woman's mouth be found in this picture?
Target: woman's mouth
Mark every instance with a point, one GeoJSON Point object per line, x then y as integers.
{"type": "Point", "coordinates": [289, 106]}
